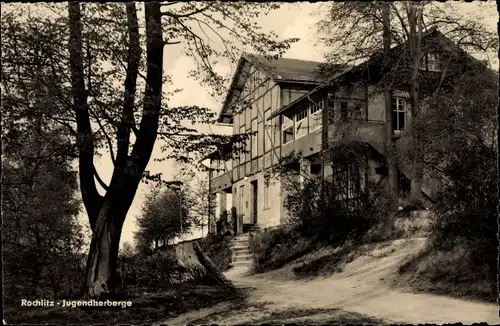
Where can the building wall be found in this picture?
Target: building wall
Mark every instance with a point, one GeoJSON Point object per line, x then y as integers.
{"type": "Point", "coordinates": [376, 105]}
{"type": "Point", "coordinates": [266, 216]}
{"type": "Point", "coordinates": [259, 99]}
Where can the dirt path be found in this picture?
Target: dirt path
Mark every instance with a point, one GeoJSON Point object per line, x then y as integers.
{"type": "Point", "coordinates": [360, 293]}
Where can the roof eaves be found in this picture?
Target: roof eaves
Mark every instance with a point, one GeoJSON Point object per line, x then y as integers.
{"type": "Point", "coordinates": [332, 80]}
{"type": "Point", "coordinates": [232, 87]}
{"type": "Point", "coordinates": [321, 86]}
{"type": "Point", "coordinates": [298, 81]}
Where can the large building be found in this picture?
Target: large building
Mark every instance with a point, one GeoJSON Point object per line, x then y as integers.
{"type": "Point", "coordinates": [290, 107]}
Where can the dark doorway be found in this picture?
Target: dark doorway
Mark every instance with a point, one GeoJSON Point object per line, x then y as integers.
{"type": "Point", "coordinates": [254, 201]}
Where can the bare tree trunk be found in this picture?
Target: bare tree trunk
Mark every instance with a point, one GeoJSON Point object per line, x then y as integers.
{"type": "Point", "coordinates": [390, 157]}
{"type": "Point", "coordinates": [103, 255]}
{"type": "Point", "coordinates": [107, 214]}
{"type": "Point", "coordinates": [414, 19]}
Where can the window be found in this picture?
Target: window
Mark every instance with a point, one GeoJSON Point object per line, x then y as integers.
{"type": "Point", "coordinates": [254, 138]}
{"type": "Point", "coordinates": [315, 169]}
{"type": "Point", "coordinates": [398, 114]}
{"type": "Point", "coordinates": [248, 116]}
{"type": "Point", "coordinates": [248, 154]}
{"type": "Point", "coordinates": [430, 62]}
{"type": "Point", "coordinates": [241, 156]}
{"type": "Point", "coordinates": [241, 119]}
{"type": "Point", "coordinates": [268, 131]}
{"type": "Point", "coordinates": [344, 110]}
{"type": "Point", "coordinates": [357, 112]}
{"type": "Point", "coordinates": [267, 198]}
{"type": "Point", "coordinates": [287, 125]}
{"type": "Point", "coordinates": [242, 199]}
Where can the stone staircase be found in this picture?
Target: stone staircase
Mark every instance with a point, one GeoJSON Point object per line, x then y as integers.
{"type": "Point", "coordinates": [240, 246]}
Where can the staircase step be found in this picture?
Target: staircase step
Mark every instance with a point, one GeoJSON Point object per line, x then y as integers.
{"type": "Point", "coordinates": [242, 258]}
{"type": "Point", "coordinates": [239, 241]}
{"type": "Point", "coordinates": [243, 252]}
{"type": "Point", "coordinates": [245, 245]}
{"type": "Point", "coordinates": [247, 263]}
{"type": "Point", "coordinates": [242, 235]}
{"type": "Point", "coordinates": [240, 249]}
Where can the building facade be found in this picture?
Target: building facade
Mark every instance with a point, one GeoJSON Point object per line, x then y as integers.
{"type": "Point", "coordinates": [288, 107]}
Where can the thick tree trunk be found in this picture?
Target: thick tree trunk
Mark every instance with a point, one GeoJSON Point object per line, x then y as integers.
{"type": "Point", "coordinates": [389, 146]}
{"type": "Point", "coordinates": [415, 55]}
{"type": "Point", "coordinates": [191, 256]}
{"type": "Point", "coordinates": [211, 269]}
{"type": "Point", "coordinates": [101, 263]}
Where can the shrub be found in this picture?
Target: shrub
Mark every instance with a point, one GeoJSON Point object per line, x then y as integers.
{"type": "Point", "coordinates": [467, 210]}
{"type": "Point", "coordinates": [217, 248]}
{"type": "Point", "coordinates": [324, 218]}
{"type": "Point", "coordinates": [54, 276]}
{"type": "Point", "coordinates": [275, 248]}
{"type": "Point", "coordinates": [157, 270]}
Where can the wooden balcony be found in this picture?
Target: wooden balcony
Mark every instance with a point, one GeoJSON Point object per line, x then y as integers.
{"type": "Point", "coordinates": [221, 182]}
{"type": "Point", "coordinates": [366, 131]}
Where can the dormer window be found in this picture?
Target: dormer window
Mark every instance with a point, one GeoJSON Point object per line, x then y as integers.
{"type": "Point", "coordinates": [430, 62]}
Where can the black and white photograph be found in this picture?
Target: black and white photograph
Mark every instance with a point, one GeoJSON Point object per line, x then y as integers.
{"type": "Point", "coordinates": [250, 162]}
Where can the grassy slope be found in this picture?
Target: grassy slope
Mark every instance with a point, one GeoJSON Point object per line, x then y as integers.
{"type": "Point", "coordinates": [146, 307]}
{"type": "Point", "coordinates": [447, 273]}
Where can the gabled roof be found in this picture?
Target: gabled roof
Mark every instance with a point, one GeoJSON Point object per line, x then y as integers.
{"type": "Point", "coordinates": [287, 69]}
{"type": "Point", "coordinates": [281, 70]}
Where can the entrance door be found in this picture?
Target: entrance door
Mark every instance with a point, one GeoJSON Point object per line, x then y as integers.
{"type": "Point", "coordinates": [254, 201]}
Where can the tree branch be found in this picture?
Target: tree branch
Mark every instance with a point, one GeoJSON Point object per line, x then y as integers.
{"type": "Point", "coordinates": [133, 61]}
{"type": "Point", "coordinates": [148, 128]}
{"type": "Point", "coordinates": [91, 198]}
{"type": "Point", "coordinates": [101, 182]}
{"type": "Point", "coordinates": [108, 139]}
{"type": "Point", "coordinates": [197, 11]}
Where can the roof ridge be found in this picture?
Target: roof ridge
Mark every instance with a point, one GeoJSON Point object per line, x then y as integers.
{"type": "Point", "coordinates": [280, 58]}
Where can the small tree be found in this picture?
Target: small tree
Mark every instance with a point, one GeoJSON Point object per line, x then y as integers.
{"type": "Point", "coordinates": [164, 217]}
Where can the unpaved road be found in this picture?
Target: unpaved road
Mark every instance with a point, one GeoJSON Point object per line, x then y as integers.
{"type": "Point", "coordinates": [360, 293]}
